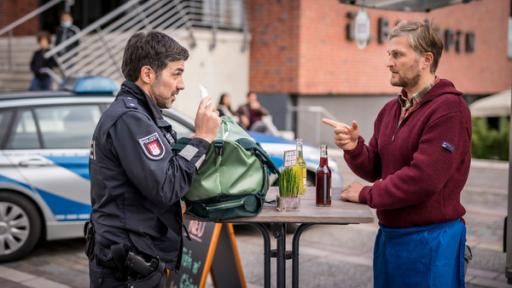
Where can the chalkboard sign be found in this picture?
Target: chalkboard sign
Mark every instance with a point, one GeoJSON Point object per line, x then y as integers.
{"type": "Point", "coordinates": [211, 249]}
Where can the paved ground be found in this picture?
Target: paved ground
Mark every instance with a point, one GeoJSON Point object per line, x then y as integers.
{"type": "Point", "coordinates": [331, 256]}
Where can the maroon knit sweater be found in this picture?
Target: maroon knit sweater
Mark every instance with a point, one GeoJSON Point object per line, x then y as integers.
{"type": "Point", "coordinates": [420, 167]}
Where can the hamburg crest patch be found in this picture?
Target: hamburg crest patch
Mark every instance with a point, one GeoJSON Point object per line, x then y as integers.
{"type": "Point", "coordinates": [152, 146]}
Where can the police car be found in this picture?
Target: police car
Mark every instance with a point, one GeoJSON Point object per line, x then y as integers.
{"type": "Point", "coordinates": [44, 153]}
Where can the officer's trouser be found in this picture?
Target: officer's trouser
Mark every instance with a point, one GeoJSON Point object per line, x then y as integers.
{"type": "Point", "coordinates": [100, 276]}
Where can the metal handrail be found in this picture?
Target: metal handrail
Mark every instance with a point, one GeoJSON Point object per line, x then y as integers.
{"type": "Point", "coordinates": [96, 25]}
{"type": "Point", "coordinates": [94, 46]}
{"type": "Point", "coordinates": [102, 43]}
{"type": "Point", "coordinates": [91, 28]}
{"type": "Point", "coordinates": [91, 44]}
{"type": "Point", "coordinates": [105, 31]}
{"type": "Point", "coordinates": [10, 28]}
{"type": "Point", "coordinates": [98, 54]}
{"type": "Point", "coordinates": [29, 16]}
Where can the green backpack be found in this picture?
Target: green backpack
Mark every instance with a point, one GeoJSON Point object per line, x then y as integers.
{"type": "Point", "coordinates": [234, 178]}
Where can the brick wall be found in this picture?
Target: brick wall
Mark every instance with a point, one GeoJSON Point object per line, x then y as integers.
{"type": "Point", "coordinates": [274, 27]}
{"type": "Point", "coordinates": [318, 60]}
{"type": "Point", "coordinates": [329, 63]}
{"type": "Point", "coordinates": [12, 10]}
{"type": "Point", "coordinates": [488, 69]}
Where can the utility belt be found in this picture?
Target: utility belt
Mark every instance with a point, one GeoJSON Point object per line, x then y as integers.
{"type": "Point", "coordinates": [126, 264]}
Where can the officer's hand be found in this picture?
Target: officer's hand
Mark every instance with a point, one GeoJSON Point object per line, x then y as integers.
{"type": "Point", "coordinates": [207, 120]}
{"type": "Point", "coordinates": [346, 137]}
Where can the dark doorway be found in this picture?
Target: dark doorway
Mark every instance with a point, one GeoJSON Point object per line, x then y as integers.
{"type": "Point", "coordinates": [84, 13]}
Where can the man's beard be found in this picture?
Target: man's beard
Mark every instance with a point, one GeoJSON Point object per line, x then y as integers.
{"type": "Point", "coordinates": [166, 103]}
{"type": "Point", "coordinates": [407, 82]}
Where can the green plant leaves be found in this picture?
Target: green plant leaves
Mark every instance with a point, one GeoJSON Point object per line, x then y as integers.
{"type": "Point", "coordinates": [489, 143]}
{"type": "Point", "coordinates": [290, 181]}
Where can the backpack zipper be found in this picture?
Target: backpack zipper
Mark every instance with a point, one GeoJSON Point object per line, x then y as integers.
{"type": "Point", "coordinates": [226, 205]}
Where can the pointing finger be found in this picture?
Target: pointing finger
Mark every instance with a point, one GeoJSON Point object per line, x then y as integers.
{"type": "Point", "coordinates": [334, 124]}
{"type": "Point", "coordinates": [330, 122]}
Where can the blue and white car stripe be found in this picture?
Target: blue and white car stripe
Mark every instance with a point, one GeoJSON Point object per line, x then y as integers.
{"type": "Point", "coordinates": [62, 182]}
{"type": "Point", "coordinates": [74, 164]}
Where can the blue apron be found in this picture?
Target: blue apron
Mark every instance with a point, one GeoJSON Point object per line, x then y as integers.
{"type": "Point", "coordinates": [425, 256]}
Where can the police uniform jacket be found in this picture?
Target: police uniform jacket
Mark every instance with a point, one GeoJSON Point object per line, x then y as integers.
{"type": "Point", "coordinates": [136, 178]}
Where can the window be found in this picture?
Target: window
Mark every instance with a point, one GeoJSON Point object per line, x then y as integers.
{"type": "Point", "coordinates": [224, 14]}
{"type": "Point", "coordinates": [181, 130]}
{"type": "Point", "coordinates": [67, 126]}
{"type": "Point", "coordinates": [24, 135]}
{"type": "Point", "coordinates": [5, 117]}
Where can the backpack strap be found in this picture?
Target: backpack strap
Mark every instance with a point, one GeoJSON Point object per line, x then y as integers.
{"type": "Point", "coordinates": [247, 144]}
{"type": "Point", "coordinates": [261, 154]}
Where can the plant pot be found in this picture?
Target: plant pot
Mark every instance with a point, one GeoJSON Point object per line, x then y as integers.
{"type": "Point", "coordinates": [288, 203]}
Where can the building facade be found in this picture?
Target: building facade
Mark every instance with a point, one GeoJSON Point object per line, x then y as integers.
{"type": "Point", "coordinates": [303, 54]}
{"type": "Point", "coordinates": [303, 61]}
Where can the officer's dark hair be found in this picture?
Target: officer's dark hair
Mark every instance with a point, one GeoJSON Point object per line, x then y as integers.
{"type": "Point", "coordinates": [154, 49]}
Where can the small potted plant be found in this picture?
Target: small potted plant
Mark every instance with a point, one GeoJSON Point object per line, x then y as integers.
{"type": "Point", "coordinates": [290, 183]}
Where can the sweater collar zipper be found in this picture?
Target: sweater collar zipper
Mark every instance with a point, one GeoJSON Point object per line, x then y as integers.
{"type": "Point", "coordinates": [422, 101]}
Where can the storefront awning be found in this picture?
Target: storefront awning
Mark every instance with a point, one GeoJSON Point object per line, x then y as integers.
{"type": "Point", "coordinates": [405, 5]}
{"type": "Point", "coordinates": [496, 105]}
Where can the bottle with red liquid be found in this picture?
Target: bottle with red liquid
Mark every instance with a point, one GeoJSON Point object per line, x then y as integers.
{"type": "Point", "coordinates": [323, 179]}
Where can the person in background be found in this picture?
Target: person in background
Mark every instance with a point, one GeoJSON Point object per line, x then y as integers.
{"type": "Point", "coordinates": [65, 31]}
{"type": "Point", "coordinates": [224, 106]}
{"type": "Point", "coordinates": [418, 160]}
{"type": "Point", "coordinates": [40, 66]}
{"type": "Point", "coordinates": [252, 113]}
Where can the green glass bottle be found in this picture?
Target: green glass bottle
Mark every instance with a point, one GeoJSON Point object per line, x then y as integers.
{"type": "Point", "coordinates": [302, 164]}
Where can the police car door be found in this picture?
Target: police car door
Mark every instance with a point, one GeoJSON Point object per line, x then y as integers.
{"type": "Point", "coordinates": [50, 147]}
{"type": "Point", "coordinates": [8, 172]}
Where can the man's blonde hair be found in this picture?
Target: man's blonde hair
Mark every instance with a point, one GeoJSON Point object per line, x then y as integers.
{"type": "Point", "coordinates": [423, 38]}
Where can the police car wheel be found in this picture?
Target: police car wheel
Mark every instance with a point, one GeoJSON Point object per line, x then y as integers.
{"type": "Point", "coordinates": [20, 226]}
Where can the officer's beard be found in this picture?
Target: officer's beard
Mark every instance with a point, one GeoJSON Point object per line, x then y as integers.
{"type": "Point", "coordinates": [160, 97]}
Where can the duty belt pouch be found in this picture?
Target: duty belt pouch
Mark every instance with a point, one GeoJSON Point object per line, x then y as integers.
{"type": "Point", "coordinates": [155, 279]}
{"type": "Point", "coordinates": [89, 239]}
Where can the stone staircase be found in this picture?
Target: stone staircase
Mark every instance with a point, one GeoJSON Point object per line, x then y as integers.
{"type": "Point", "coordinates": [17, 77]}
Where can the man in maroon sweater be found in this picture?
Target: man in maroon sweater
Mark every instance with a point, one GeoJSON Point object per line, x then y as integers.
{"type": "Point", "coordinates": [418, 160]}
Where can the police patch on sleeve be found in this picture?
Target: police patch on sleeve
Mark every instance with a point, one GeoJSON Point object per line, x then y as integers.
{"type": "Point", "coordinates": [152, 146]}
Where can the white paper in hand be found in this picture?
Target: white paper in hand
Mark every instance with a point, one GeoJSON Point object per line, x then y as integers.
{"type": "Point", "coordinates": [204, 93]}
{"type": "Point", "coordinates": [203, 90]}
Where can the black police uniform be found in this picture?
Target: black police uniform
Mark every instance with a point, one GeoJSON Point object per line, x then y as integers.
{"type": "Point", "coordinates": [136, 185]}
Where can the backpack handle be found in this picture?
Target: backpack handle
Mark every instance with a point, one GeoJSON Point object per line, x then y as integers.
{"type": "Point", "coordinates": [249, 202]}
{"type": "Point", "coordinates": [249, 145]}
{"type": "Point", "coordinates": [225, 129]}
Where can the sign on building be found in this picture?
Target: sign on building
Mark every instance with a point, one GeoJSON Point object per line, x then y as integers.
{"type": "Point", "coordinates": [362, 29]}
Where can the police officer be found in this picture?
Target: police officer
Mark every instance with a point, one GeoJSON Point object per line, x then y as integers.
{"type": "Point", "coordinates": [136, 178]}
